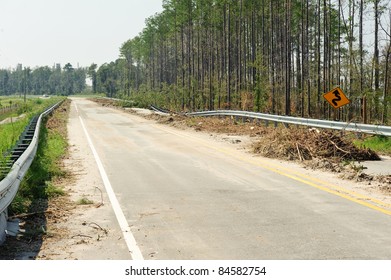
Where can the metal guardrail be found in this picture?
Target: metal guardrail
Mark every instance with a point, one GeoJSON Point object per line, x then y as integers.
{"type": "Point", "coordinates": [344, 126]}
{"type": "Point", "coordinates": [354, 127]}
{"type": "Point", "coordinates": [10, 184]}
{"type": "Point", "coordinates": [160, 110]}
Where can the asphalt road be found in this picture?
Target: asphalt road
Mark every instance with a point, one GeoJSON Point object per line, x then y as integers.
{"type": "Point", "coordinates": [186, 197]}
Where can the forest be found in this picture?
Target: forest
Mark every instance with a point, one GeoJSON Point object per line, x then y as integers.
{"type": "Point", "coordinates": [273, 56]}
{"type": "Point", "coordinates": [42, 80]}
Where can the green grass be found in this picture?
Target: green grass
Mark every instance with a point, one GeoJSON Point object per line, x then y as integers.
{"type": "Point", "coordinates": [39, 182]}
{"type": "Point", "coordinates": [10, 132]}
{"type": "Point", "coordinates": [84, 201]}
{"type": "Point", "coordinates": [379, 144]}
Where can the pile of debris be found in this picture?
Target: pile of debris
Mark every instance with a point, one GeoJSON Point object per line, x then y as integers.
{"type": "Point", "coordinates": [308, 144]}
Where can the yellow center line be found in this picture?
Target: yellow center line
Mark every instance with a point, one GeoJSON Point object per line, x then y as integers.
{"type": "Point", "coordinates": [297, 176]}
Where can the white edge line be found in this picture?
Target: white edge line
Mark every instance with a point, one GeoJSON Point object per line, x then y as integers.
{"type": "Point", "coordinates": [129, 238]}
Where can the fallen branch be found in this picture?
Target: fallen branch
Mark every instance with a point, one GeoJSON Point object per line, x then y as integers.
{"type": "Point", "coordinates": [96, 226]}
{"type": "Point", "coordinates": [101, 197]}
{"type": "Point", "coordinates": [81, 235]}
{"type": "Point", "coordinates": [298, 152]}
{"type": "Point", "coordinates": [338, 148]}
{"type": "Point", "coordinates": [92, 223]}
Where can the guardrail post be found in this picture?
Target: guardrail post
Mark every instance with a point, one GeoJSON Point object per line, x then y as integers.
{"type": "Point", "coordinates": [3, 225]}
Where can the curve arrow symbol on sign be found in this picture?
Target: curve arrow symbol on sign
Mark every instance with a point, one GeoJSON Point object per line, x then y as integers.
{"type": "Point", "coordinates": [338, 97]}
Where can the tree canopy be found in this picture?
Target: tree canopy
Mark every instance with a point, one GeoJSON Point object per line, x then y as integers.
{"type": "Point", "coordinates": [43, 80]}
{"type": "Point", "coordinates": [276, 56]}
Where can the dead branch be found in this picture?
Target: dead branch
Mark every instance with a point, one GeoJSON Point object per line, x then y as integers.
{"type": "Point", "coordinates": [81, 235]}
{"type": "Point", "coordinates": [298, 151]}
{"type": "Point", "coordinates": [101, 197]}
{"type": "Point", "coordinates": [99, 227]}
{"type": "Point", "coordinates": [338, 148]}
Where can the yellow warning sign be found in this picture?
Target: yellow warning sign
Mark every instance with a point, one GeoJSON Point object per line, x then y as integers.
{"type": "Point", "coordinates": [336, 98]}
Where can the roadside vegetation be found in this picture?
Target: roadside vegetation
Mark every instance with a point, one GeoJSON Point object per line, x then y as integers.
{"type": "Point", "coordinates": [40, 180]}
{"type": "Point", "coordinates": [378, 143]}
{"type": "Point", "coordinates": [41, 200]}
{"type": "Point", "coordinates": [14, 123]}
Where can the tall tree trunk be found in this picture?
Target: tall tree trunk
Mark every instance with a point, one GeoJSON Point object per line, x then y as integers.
{"type": "Point", "coordinates": [288, 58]}
{"type": "Point", "coordinates": [307, 44]}
{"type": "Point", "coordinates": [386, 85]}
{"type": "Point", "coordinates": [376, 58]}
{"type": "Point", "coordinates": [361, 49]}
{"type": "Point", "coordinates": [229, 58]}
{"type": "Point", "coordinates": [303, 47]}
{"type": "Point", "coordinates": [176, 57]}
{"type": "Point", "coordinates": [339, 49]}
{"type": "Point", "coordinates": [253, 50]}
{"type": "Point", "coordinates": [318, 47]}
{"type": "Point", "coordinates": [272, 52]}
{"type": "Point", "coordinates": [189, 56]}
{"type": "Point", "coordinates": [351, 54]}
{"type": "Point", "coordinates": [387, 77]}
{"type": "Point", "coordinates": [325, 52]}
{"type": "Point", "coordinates": [183, 66]}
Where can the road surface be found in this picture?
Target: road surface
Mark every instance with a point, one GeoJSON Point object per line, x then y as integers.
{"type": "Point", "coordinates": [184, 196]}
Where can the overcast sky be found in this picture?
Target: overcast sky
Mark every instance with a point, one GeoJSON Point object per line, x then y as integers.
{"type": "Point", "coordinates": [44, 32]}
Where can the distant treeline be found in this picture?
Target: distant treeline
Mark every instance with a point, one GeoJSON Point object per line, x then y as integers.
{"type": "Point", "coordinates": [276, 56]}
{"type": "Point", "coordinates": [42, 80]}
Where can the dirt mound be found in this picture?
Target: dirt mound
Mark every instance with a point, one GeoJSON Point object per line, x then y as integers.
{"type": "Point", "coordinates": [308, 144]}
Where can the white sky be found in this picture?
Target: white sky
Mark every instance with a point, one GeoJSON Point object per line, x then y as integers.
{"type": "Point", "coordinates": [44, 32]}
